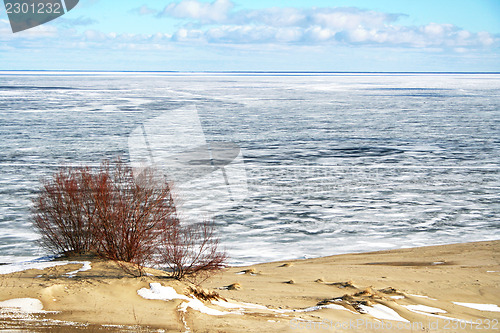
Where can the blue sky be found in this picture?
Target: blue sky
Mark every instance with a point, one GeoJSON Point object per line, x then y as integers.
{"type": "Point", "coordinates": [258, 35]}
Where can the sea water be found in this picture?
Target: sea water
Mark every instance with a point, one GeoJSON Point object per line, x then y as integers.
{"type": "Point", "coordinates": [334, 163]}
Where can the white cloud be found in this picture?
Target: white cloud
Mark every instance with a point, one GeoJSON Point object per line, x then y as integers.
{"type": "Point", "coordinates": [350, 18]}
{"type": "Point", "coordinates": [463, 35]}
{"type": "Point", "coordinates": [216, 11]}
{"type": "Point", "coordinates": [144, 10]}
{"type": "Point", "coordinates": [242, 34]}
{"type": "Point", "coordinates": [345, 25]}
{"type": "Point", "coordinates": [278, 17]}
{"type": "Point", "coordinates": [79, 21]}
{"type": "Point", "coordinates": [217, 22]}
{"type": "Point", "coordinates": [191, 35]}
{"type": "Point", "coordinates": [486, 38]}
{"type": "Point", "coordinates": [434, 29]}
{"type": "Point", "coordinates": [5, 29]}
{"type": "Point", "coordinates": [434, 36]}
{"type": "Point", "coordinates": [41, 31]}
{"type": "Point", "coordinates": [289, 35]}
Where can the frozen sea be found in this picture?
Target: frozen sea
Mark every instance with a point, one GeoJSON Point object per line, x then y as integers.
{"type": "Point", "coordinates": [334, 163]}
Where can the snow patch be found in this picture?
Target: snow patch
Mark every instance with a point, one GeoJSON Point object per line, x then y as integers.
{"type": "Point", "coordinates": [197, 305]}
{"type": "Point", "coordinates": [86, 267]}
{"type": "Point", "coordinates": [327, 306]}
{"type": "Point", "coordinates": [397, 297]}
{"type": "Point", "coordinates": [157, 291]}
{"type": "Point", "coordinates": [380, 311]}
{"type": "Point", "coordinates": [440, 316]}
{"type": "Point", "coordinates": [424, 308]}
{"type": "Point", "coordinates": [423, 297]}
{"type": "Point", "coordinates": [229, 305]}
{"type": "Point", "coordinates": [27, 305]}
{"type": "Point", "coordinates": [481, 307]}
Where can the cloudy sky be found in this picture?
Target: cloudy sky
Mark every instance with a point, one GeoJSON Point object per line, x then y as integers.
{"type": "Point", "coordinates": [258, 35]}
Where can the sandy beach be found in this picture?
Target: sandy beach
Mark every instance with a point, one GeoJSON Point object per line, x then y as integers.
{"type": "Point", "coordinates": [450, 288]}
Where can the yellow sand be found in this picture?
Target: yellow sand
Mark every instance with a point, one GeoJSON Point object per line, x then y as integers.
{"type": "Point", "coordinates": [468, 273]}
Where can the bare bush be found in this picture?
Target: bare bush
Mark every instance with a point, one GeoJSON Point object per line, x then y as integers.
{"type": "Point", "coordinates": [106, 211]}
{"type": "Point", "coordinates": [131, 214]}
{"type": "Point", "coordinates": [122, 217]}
{"type": "Point", "coordinates": [63, 213]}
{"type": "Point", "coordinates": [192, 249]}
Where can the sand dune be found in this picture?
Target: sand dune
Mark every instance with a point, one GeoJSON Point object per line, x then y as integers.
{"type": "Point", "coordinates": [439, 289]}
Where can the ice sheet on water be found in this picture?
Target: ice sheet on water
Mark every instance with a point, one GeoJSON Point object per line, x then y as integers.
{"type": "Point", "coordinates": [330, 159]}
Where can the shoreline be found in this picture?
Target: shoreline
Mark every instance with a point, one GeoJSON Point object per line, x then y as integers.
{"type": "Point", "coordinates": [425, 286]}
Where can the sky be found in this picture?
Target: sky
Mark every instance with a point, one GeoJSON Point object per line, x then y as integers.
{"type": "Point", "coordinates": [258, 35]}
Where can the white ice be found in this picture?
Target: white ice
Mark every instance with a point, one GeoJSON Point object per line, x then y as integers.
{"type": "Point", "coordinates": [40, 264]}
{"type": "Point", "coordinates": [380, 311]}
{"type": "Point", "coordinates": [34, 264]}
{"type": "Point", "coordinates": [481, 307]}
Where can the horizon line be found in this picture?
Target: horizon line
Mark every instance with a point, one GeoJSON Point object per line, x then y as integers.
{"type": "Point", "coordinates": [241, 71]}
